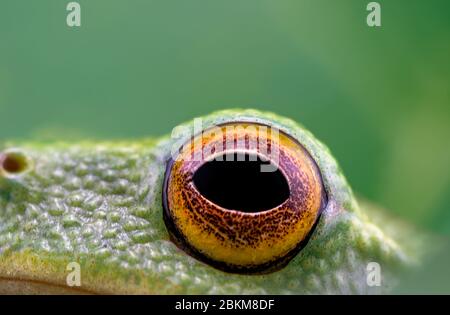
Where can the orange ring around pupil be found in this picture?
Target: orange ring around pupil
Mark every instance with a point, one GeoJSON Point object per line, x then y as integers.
{"type": "Point", "coordinates": [236, 240]}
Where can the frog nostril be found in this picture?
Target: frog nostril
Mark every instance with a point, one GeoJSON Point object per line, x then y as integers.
{"type": "Point", "coordinates": [239, 184]}
{"type": "Point", "coordinates": [13, 163]}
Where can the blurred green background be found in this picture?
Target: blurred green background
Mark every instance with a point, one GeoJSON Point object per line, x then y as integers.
{"type": "Point", "coordinates": [378, 97]}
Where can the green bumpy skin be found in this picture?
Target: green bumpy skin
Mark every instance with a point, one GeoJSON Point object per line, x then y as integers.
{"type": "Point", "coordinates": [99, 204]}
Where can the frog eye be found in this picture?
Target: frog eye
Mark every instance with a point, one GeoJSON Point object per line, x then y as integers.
{"type": "Point", "coordinates": [242, 197]}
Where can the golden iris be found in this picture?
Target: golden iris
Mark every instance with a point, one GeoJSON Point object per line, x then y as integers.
{"type": "Point", "coordinates": [242, 197]}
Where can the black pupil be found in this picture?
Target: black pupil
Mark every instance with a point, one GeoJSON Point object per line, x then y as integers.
{"type": "Point", "coordinates": [240, 184]}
